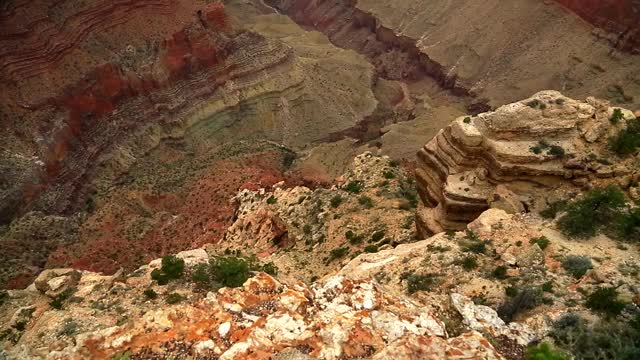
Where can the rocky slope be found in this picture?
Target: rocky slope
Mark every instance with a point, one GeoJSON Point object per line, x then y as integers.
{"type": "Point", "coordinates": [336, 272]}
{"type": "Point", "coordinates": [520, 157]}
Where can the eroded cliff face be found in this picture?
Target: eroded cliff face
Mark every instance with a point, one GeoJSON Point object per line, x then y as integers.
{"type": "Point", "coordinates": [520, 157]}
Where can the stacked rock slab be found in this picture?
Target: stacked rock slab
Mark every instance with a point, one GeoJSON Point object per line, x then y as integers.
{"type": "Point", "coordinates": [505, 159]}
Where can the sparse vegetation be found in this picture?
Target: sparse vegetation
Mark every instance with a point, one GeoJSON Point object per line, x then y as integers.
{"type": "Point", "coordinates": [353, 237]}
{"type": "Point", "coordinates": [172, 268]}
{"type": "Point", "coordinates": [388, 174]}
{"type": "Point", "coordinates": [416, 282]}
{"type": "Point", "coordinates": [271, 200]}
{"type": "Point", "coordinates": [577, 265]}
{"type": "Point", "coordinates": [467, 120]}
{"type": "Point", "coordinates": [604, 339]}
{"type": "Point", "coordinates": [553, 150]}
{"type": "Point", "coordinates": [542, 241]}
{"type": "Point", "coordinates": [468, 262]}
{"type": "Point", "coordinates": [597, 209]}
{"type": "Point", "coordinates": [377, 235]}
{"type": "Point", "coordinates": [365, 201]}
{"type": "Point", "coordinates": [472, 243]}
{"type": "Point", "coordinates": [371, 248]}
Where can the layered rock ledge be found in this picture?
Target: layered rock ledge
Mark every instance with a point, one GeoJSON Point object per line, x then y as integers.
{"type": "Point", "coordinates": [516, 158]}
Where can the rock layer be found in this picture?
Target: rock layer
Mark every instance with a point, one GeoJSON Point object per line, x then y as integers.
{"type": "Point", "coordinates": [514, 158]}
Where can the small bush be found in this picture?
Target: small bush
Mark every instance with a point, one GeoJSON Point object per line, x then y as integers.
{"type": "Point", "coordinates": [354, 187]}
{"type": "Point", "coordinates": [511, 291]}
{"type": "Point", "coordinates": [544, 351]}
{"type": "Point", "coordinates": [388, 174]}
{"type": "Point", "coordinates": [547, 286]}
{"type": "Point", "coordinates": [172, 268]}
{"type": "Point", "coordinates": [306, 229]}
{"type": "Point", "coordinates": [417, 282]}
{"type": "Point", "coordinates": [150, 294]}
{"type": "Point", "coordinates": [467, 120]}
{"type": "Point", "coordinates": [599, 208]}
{"type": "Point", "coordinates": [365, 201]}
{"type": "Point", "coordinates": [500, 272]}
{"type": "Point", "coordinates": [353, 237]}
{"type": "Point", "coordinates": [377, 235]}
{"type": "Point", "coordinates": [626, 141]}
{"type": "Point", "coordinates": [577, 265]}
{"type": "Point", "coordinates": [468, 263]}
{"type": "Point", "coordinates": [338, 253]}
{"type": "Point", "coordinates": [201, 276]}
{"type": "Point", "coordinates": [556, 150]}
{"type": "Point", "coordinates": [371, 248]}
{"type": "Point", "coordinates": [472, 243]}
{"type": "Point", "coordinates": [616, 116]}
{"type": "Point", "coordinates": [524, 300]}
{"type": "Point", "coordinates": [605, 300]}
{"type": "Point", "coordinates": [542, 241]}
{"type": "Point", "coordinates": [336, 201]}
{"type": "Point", "coordinates": [229, 271]}
{"type": "Point", "coordinates": [61, 298]}
{"type": "Point", "coordinates": [271, 200]}
{"type": "Point", "coordinates": [173, 298]}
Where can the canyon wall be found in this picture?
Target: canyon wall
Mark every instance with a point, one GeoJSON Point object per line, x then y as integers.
{"type": "Point", "coordinates": [527, 46]}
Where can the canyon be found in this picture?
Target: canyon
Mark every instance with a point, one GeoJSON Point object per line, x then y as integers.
{"type": "Point", "coordinates": [379, 175]}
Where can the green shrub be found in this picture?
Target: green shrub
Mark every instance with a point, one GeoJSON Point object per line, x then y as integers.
{"type": "Point", "coordinates": [547, 286]}
{"type": "Point", "coordinates": [171, 269]}
{"type": "Point", "coordinates": [577, 265]}
{"type": "Point", "coordinates": [472, 243]}
{"type": "Point", "coordinates": [229, 271]}
{"type": "Point", "coordinates": [338, 253]}
{"type": "Point", "coordinates": [524, 300]}
{"type": "Point", "coordinates": [599, 208]}
{"type": "Point", "coordinates": [173, 298]}
{"type": "Point", "coordinates": [417, 282]}
{"type": "Point", "coordinates": [500, 272]}
{"type": "Point", "coordinates": [542, 241]}
{"type": "Point", "coordinates": [605, 300]}
{"type": "Point", "coordinates": [556, 150]}
{"type": "Point", "coordinates": [270, 268]}
{"type": "Point", "coordinates": [371, 248]}
{"type": "Point", "coordinates": [354, 187]}
{"type": "Point", "coordinates": [271, 200]}
{"type": "Point", "coordinates": [604, 339]}
{"type": "Point", "coordinates": [150, 294]}
{"type": "Point", "coordinates": [468, 262]}
{"type": "Point", "coordinates": [306, 229]}
{"type": "Point", "coordinates": [626, 141]}
{"type": "Point", "coordinates": [616, 116]}
{"type": "Point", "coordinates": [544, 351]}
{"type": "Point", "coordinates": [336, 201]}
{"type": "Point", "coordinates": [377, 235]}
{"type": "Point", "coordinates": [553, 209]}
{"type": "Point", "coordinates": [353, 237]}
{"type": "Point", "coordinates": [467, 120]}
{"type": "Point", "coordinates": [365, 201]}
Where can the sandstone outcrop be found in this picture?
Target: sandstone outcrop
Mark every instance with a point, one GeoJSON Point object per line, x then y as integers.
{"type": "Point", "coordinates": [517, 158]}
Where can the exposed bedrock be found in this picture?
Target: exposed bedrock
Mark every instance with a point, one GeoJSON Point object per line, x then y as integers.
{"type": "Point", "coordinates": [517, 158]}
{"type": "Point", "coordinates": [498, 61]}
